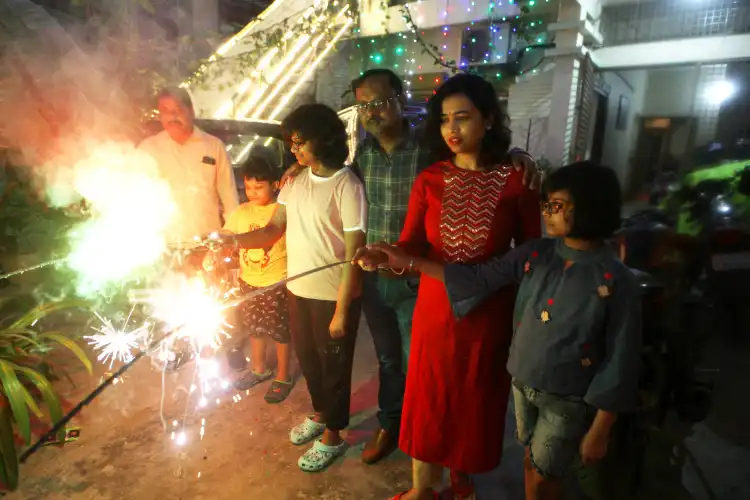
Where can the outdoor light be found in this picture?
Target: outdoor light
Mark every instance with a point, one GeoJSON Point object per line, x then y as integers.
{"type": "Point", "coordinates": [720, 91]}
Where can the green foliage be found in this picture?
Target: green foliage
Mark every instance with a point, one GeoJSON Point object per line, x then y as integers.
{"type": "Point", "coordinates": [25, 380]}
{"type": "Point", "coordinates": [27, 224]}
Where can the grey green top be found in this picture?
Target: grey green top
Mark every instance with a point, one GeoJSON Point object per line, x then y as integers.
{"type": "Point", "coordinates": [577, 330]}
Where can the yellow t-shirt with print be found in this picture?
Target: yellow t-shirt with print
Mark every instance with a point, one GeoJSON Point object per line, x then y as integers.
{"type": "Point", "coordinates": [261, 266]}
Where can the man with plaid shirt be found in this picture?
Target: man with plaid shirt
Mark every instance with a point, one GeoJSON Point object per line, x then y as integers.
{"type": "Point", "coordinates": [388, 161]}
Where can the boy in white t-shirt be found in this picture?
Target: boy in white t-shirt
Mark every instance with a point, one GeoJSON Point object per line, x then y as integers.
{"type": "Point", "coordinates": [267, 314]}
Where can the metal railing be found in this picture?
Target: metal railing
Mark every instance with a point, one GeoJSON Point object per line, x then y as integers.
{"type": "Point", "coordinates": [647, 21]}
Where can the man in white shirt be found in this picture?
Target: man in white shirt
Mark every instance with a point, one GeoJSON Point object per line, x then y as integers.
{"type": "Point", "coordinates": [196, 166]}
{"type": "Point", "coordinates": [200, 177]}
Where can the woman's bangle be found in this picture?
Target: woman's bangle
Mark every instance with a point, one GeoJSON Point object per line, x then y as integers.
{"type": "Point", "coordinates": [403, 269]}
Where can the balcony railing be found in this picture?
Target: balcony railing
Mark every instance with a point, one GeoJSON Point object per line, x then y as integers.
{"type": "Point", "coordinates": [672, 19]}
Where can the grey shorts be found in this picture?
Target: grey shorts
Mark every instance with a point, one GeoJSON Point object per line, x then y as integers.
{"type": "Point", "coordinates": [551, 427]}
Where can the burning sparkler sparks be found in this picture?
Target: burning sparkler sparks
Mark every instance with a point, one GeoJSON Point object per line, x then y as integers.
{"type": "Point", "coordinates": [192, 307]}
{"type": "Point", "coordinates": [131, 209]}
{"type": "Point", "coordinates": [116, 344]}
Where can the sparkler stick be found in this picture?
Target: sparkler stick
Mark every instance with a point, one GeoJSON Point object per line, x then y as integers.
{"type": "Point", "coordinates": [88, 399]}
{"type": "Point", "coordinates": [127, 366]}
{"type": "Point", "coordinates": [31, 268]}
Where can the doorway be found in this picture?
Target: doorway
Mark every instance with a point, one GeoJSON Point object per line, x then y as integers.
{"type": "Point", "coordinates": [600, 127]}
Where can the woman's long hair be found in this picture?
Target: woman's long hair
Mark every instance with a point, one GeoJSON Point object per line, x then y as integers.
{"type": "Point", "coordinates": [496, 141]}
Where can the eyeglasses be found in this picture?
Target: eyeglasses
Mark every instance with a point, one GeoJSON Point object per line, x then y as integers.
{"type": "Point", "coordinates": [374, 105]}
{"type": "Point", "coordinates": [552, 207]}
{"type": "Point", "coordinates": [296, 144]}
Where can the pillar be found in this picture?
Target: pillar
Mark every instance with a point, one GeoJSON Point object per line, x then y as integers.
{"type": "Point", "coordinates": [567, 54]}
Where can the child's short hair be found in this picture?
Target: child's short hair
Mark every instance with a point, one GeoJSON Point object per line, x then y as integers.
{"type": "Point", "coordinates": [259, 169]}
{"type": "Point", "coordinates": [596, 196]}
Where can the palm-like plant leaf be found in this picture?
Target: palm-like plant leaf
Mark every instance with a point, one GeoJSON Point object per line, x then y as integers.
{"type": "Point", "coordinates": [22, 360]}
{"type": "Point", "coordinates": [17, 397]}
{"type": "Point", "coordinates": [60, 338]}
{"type": "Point", "coordinates": [8, 454]}
{"type": "Point", "coordinates": [43, 310]}
{"type": "Point", "coordinates": [48, 394]}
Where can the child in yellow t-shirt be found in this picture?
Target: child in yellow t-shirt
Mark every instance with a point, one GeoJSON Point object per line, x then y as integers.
{"type": "Point", "coordinates": [266, 314]}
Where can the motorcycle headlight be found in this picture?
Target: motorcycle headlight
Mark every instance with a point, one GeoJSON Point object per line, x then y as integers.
{"type": "Point", "coordinates": [721, 206]}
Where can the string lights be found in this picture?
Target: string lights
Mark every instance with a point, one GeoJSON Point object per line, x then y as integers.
{"type": "Point", "coordinates": [279, 52]}
{"type": "Point", "coordinates": [419, 54]}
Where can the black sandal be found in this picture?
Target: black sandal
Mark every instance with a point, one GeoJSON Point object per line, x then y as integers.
{"type": "Point", "coordinates": [251, 379]}
{"type": "Point", "coordinates": [278, 391]}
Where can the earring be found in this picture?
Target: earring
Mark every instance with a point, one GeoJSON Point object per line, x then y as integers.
{"type": "Point", "coordinates": [488, 127]}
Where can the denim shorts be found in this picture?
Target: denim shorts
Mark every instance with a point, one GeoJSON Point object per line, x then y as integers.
{"type": "Point", "coordinates": [551, 427]}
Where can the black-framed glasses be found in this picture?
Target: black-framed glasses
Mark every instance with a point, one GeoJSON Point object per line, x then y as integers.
{"type": "Point", "coordinates": [375, 105]}
{"type": "Point", "coordinates": [296, 143]}
{"type": "Point", "coordinates": [552, 207]}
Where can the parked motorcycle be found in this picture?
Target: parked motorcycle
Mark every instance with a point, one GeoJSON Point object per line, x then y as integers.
{"type": "Point", "coordinates": [667, 266]}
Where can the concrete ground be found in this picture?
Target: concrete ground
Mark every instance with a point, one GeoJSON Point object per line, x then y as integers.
{"type": "Point", "coordinates": [125, 453]}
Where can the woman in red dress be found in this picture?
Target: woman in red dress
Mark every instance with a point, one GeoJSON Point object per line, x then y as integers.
{"type": "Point", "coordinates": [465, 208]}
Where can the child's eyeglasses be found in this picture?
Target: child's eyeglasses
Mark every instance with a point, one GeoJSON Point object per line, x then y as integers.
{"type": "Point", "coordinates": [296, 144]}
{"type": "Point", "coordinates": [551, 207]}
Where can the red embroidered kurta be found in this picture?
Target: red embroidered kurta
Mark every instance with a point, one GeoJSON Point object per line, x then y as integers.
{"type": "Point", "coordinates": [457, 385]}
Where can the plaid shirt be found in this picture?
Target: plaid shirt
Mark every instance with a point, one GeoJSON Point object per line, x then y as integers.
{"type": "Point", "coordinates": [388, 180]}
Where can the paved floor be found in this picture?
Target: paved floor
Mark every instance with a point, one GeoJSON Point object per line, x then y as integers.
{"type": "Point", "coordinates": [124, 452]}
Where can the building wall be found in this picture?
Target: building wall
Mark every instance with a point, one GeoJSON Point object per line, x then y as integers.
{"type": "Point", "coordinates": [528, 109]}
{"type": "Point", "coordinates": [333, 78]}
{"type": "Point", "coordinates": [686, 92]}
{"type": "Point", "coordinates": [671, 91]}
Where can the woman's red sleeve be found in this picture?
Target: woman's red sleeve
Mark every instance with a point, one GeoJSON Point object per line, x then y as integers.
{"type": "Point", "coordinates": [414, 235]}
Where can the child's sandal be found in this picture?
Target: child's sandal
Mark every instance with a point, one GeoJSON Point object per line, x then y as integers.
{"type": "Point", "coordinates": [278, 391]}
{"type": "Point", "coordinates": [251, 379]}
{"type": "Point", "coordinates": [306, 431]}
{"type": "Point", "coordinates": [320, 456]}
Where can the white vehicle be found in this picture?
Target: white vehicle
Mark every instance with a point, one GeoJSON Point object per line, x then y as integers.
{"type": "Point", "coordinates": [246, 138]}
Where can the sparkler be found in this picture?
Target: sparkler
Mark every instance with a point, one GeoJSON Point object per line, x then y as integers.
{"type": "Point", "coordinates": [118, 374]}
{"type": "Point", "coordinates": [192, 307]}
{"type": "Point", "coordinates": [113, 344]}
{"type": "Point", "coordinates": [131, 210]}
{"type": "Point", "coordinates": [31, 268]}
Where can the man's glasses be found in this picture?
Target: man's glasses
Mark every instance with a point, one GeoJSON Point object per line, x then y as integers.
{"type": "Point", "coordinates": [374, 105]}
{"type": "Point", "coordinates": [552, 207]}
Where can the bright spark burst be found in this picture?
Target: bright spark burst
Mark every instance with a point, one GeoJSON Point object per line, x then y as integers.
{"type": "Point", "coordinates": [196, 310]}
{"type": "Point", "coordinates": [114, 344]}
{"type": "Point", "coordinates": [132, 209]}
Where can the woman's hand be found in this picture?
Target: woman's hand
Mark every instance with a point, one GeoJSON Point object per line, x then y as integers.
{"type": "Point", "coordinates": [390, 256]}
{"type": "Point", "coordinates": [369, 260]}
{"type": "Point", "coordinates": [523, 162]}
{"type": "Point", "coordinates": [337, 327]}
